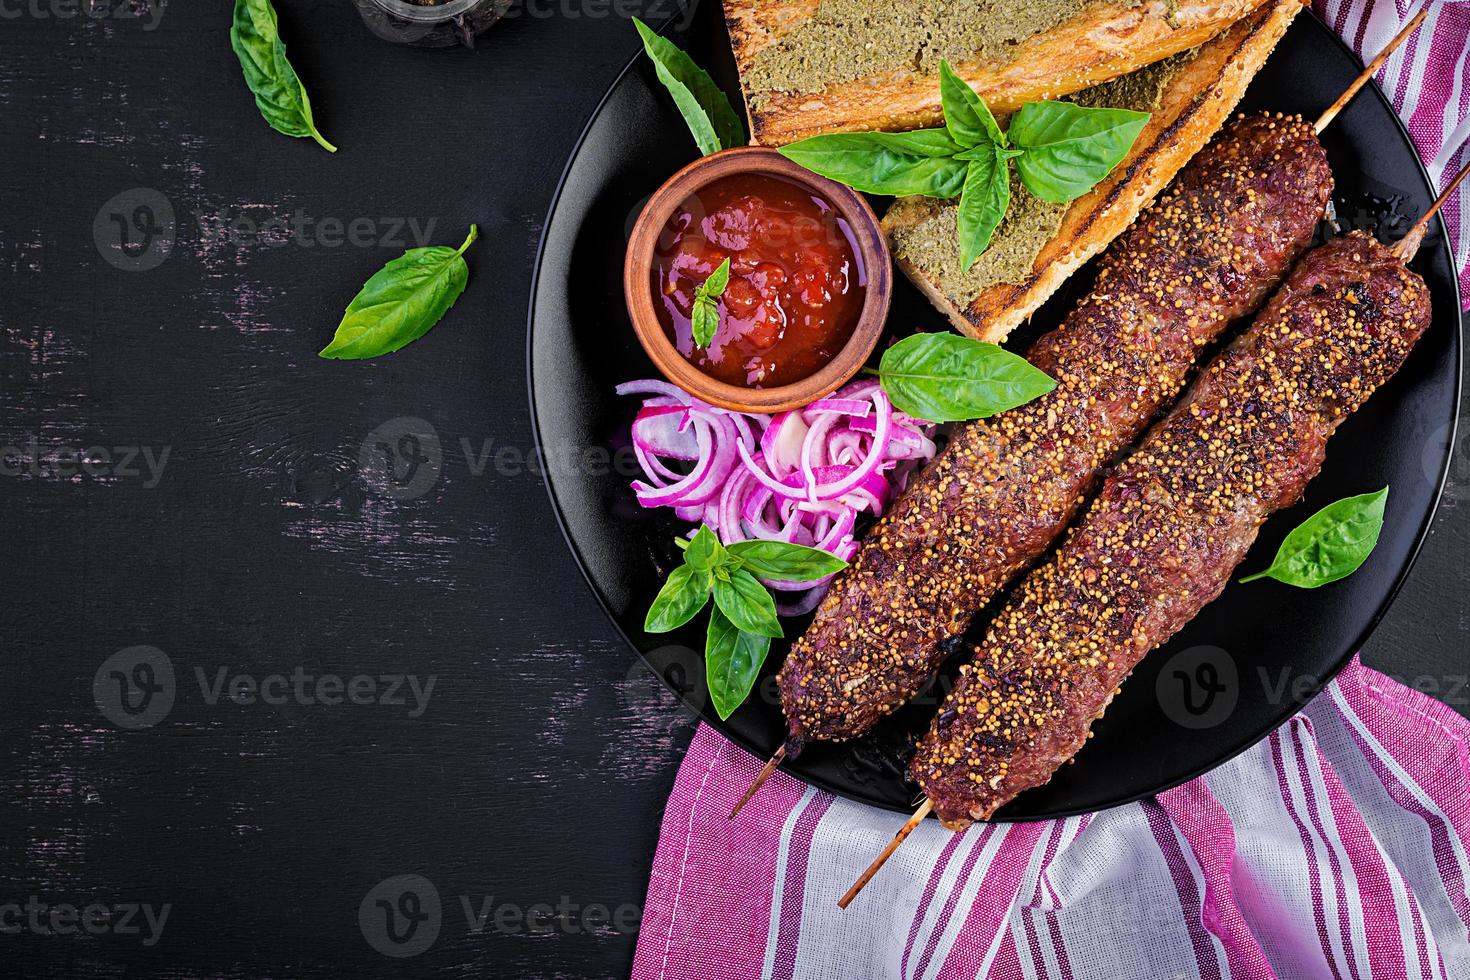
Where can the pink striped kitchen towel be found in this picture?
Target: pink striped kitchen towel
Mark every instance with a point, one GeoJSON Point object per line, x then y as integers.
{"type": "Point", "coordinates": [1335, 849]}
{"type": "Point", "coordinates": [1428, 81]}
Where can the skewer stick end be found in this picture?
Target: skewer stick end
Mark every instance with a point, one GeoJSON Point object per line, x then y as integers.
{"type": "Point", "coordinates": [760, 780]}
{"type": "Point", "coordinates": [1372, 69]}
{"type": "Point", "coordinates": [1408, 246]}
{"type": "Point", "coordinates": [887, 853]}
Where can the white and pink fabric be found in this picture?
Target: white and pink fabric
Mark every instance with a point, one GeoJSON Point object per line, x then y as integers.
{"type": "Point", "coordinates": [1336, 849]}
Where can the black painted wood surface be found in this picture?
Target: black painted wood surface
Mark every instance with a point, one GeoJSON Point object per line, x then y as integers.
{"type": "Point", "coordinates": [526, 785]}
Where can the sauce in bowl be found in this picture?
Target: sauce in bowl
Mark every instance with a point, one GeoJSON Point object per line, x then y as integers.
{"type": "Point", "coordinates": [797, 282]}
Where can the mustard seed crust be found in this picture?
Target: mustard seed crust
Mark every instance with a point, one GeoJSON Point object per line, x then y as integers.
{"type": "Point", "coordinates": [1170, 526]}
{"type": "Point", "coordinates": [1208, 252]}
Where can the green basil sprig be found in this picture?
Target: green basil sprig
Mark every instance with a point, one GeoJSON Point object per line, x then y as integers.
{"type": "Point", "coordinates": [943, 377]}
{"type": "Point", "coordinates": [743, 620]}
{"type": "Point", "coordinates": [279, 94]}
{"type": "Point", "coordinates": [402, 301]}
{"type": "Point", "coordinates": [701, 102]}
{"type": "Point", "coordinates": [1061, 151]}
{"type": "Point", "coordinates": [705, 319]}
{"type": "Point", "coordinates": [1331, 544]}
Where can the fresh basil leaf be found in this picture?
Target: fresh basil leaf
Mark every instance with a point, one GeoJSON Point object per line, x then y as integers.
{"type": "Point", "coordinates": [701, 102]}
{"type": "Point", "coordinates": [279, 94]}
{"type": "Point", "coordinates": [782, 560]}
{"type": "Point", "coordinates": [742, 598]}
{"type": "Point", "coordinates": [919, 142]}
{"type": "Point", "coordinates": [677, 602]}
{"type": "Point", "coordinates": [705, 319]}
{"type": "Point", "coordinates": [983, 206]}
{"type": "Point", "coordinates": [1068, 148]}
{"type": "Point", "coordinates": [732, 662]}
{"type": "Point", "coordinates": [943, 377]}
{"type": "Point", "coordinates": [402, 301]}
{"type": "Point", "coordinates": [1331, 544]}
{"type": "Point", "coordinates": [966, 116]}
{"type": "Point", "coordinates": [900, 164]}
{"type": "Point", "coordinates": [704, 551]}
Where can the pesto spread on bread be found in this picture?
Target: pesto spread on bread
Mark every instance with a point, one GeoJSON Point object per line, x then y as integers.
{"type": "Point", "coordinates": [850, 39]}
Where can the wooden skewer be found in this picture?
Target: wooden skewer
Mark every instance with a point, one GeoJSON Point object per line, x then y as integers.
{"type": "Point", "coordinates": [1405, 250]}
{"type": "Point", "coordinates": [1408, 246]}
{"type": "Point", "coordinates": [1322, 124]}
{"type": "Point", "coordinates": [1371, 70]}
{"type": "Point", "coordinates": [882, 859]}
{"type": "Point", "coordinates": [760, 780]}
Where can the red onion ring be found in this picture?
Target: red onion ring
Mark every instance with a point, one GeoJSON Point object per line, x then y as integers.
{"type": "Point", "coordinates": [802, 476]}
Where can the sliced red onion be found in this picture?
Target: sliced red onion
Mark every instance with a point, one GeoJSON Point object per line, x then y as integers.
{"type": "Point", "coordinates": [839, 406]}
{"type": "Point", "coordinates": [803, 476]}
{"type": "Point", "coordinates": [782, 441]}
{"type": "Point", "coordinates": [869, 466]}
{"type": "Point", "coordinates": [652, 386]}
{"type": "Point", "coordinates": [663, 430]}
{"type": "Point", "coordinates": [714, 466]}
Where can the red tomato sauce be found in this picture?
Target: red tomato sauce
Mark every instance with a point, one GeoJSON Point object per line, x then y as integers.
{"type": "Point", "coordinates": [796, 279]}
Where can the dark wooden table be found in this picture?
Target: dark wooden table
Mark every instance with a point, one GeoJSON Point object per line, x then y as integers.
{"type": "Point", "coordinates": [182, 474]}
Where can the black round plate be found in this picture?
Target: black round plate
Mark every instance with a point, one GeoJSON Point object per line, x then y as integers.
{"type": "Point", "coordinates": [1235, 673]}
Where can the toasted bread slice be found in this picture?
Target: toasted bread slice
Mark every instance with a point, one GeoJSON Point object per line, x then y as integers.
{"type": "Point", "coordinates": [1200, 94]}
{"type": "Point", "coordinates": [822, 66]}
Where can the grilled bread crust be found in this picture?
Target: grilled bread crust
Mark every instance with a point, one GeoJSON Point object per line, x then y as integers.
{"type": "Point", "coordinates": [1105, 40]}
{"type": "Point", "coordinates": [1195, 104]}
